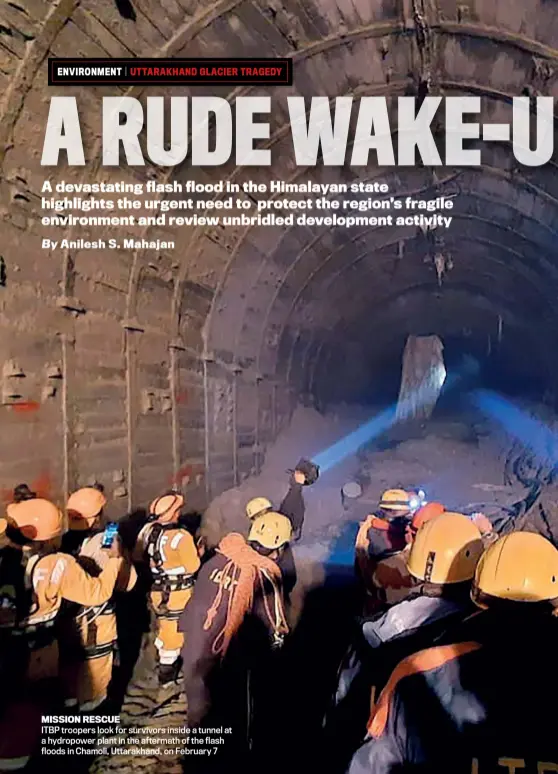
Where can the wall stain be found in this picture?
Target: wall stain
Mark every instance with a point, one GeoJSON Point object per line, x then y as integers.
{"type": "Point", "coordinates": [25, 407]}
{"type": "Point", "coordinates": [186, 471]}
{"type": "Point", "coordinates": [42, 486]}
{"type": "Point", "coordinates": [182, 397]}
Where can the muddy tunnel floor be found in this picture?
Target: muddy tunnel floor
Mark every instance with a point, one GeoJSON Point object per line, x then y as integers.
{"type": "Point", "coordinates": [459, 460]}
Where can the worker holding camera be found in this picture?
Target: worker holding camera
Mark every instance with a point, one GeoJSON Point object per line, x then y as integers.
{"type": "Point", "coordinates": [35, 578]}
{"type": "Point", "coordinates": [88, 638]}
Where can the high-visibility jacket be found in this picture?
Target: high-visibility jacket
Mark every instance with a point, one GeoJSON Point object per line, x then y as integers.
{"type": "Point", "coordinates": [477, 706]}
{"type": "Point", "coordinates": [172, 555]}
{"type": "Point", "coordinates": [31, 649]}
{"type": "Point", "coordinates": [51, 579]}
{"type": "Point", "coordinates": [58, 576]}
{"type": "Point", "coordinates": [380, 551]}
{"type": "Point", "coordinates": [87, 634]}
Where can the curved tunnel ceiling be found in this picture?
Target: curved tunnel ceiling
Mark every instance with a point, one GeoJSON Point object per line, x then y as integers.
{"type": "Point", "coordinates": [272, 293]}
{"type": "Point", "coordinates": [301, 291]}
{"type": "Point", "coordinates": [279, 304]}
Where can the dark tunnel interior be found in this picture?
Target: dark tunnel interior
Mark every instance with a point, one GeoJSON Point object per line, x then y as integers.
{"type": "Point", "coordinates": [183, 365]}
{"type": "Point", "coordinates": [191, 359]}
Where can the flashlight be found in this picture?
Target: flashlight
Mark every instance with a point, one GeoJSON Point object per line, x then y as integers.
{"type": "Point", "coordinates": [417, 500]}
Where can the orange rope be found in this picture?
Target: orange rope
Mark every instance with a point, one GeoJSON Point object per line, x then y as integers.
{"type": "Point", "coordinates": [243, 569]}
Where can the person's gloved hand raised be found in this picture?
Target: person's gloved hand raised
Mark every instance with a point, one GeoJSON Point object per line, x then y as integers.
{"type": "Point", "coordinates": [299, 477]}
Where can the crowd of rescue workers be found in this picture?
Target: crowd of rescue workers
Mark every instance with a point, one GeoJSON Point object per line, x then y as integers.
{"type": "Point", "coordinates": [451, 669]}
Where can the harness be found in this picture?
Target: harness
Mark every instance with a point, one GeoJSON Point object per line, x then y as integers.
{"type": "Point", "coordinates": [36, 635]}
{"type": "Point", "coordinates": [92, 648]}
{"type": "Point", "coordinates": [165, 581]}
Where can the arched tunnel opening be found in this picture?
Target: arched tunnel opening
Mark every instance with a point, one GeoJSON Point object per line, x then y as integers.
{"type": "Point", "coordinates": [215, 360]}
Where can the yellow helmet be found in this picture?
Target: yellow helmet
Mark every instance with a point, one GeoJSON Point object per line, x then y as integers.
{"type": "Point", "coordinates": [271, 530]}
{"type": "Point", "coordinates": [395, 500]}
{"type": "Point", "coordinates": [446, 549]}
{"type": "Point", "coordinates": [521, 567]}
{"type": "Point", "coordinates": [257, 507]}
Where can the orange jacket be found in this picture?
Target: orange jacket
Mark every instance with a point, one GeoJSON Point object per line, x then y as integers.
{"type": "Point", "coordinates": [380, 555]}
{"type": "Point", "coordinates": [59, 576]}
{"type": "Point", "coordinates": [176, 548]}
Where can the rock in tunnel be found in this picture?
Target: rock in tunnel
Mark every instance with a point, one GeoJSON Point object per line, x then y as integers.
{"type": "Point", "coordinates": [146, 368]}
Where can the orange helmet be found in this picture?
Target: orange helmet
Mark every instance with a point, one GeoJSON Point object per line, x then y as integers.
{"type": "Point", "coordinates": [36, 519]}
{"type": "Point", "coordinates": [424, 514]}
{"type": "Point", "coordinates": [167, 507]}
{"type": "Point", "coordinates": [84, 506]}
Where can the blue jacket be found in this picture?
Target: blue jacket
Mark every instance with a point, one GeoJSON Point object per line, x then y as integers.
{"type": "Point", "coordinates": [400, 621]}
{"type": "Point", "coordinates": [472, 707]}
{"type": "Point", "coordinates": [378, 647]}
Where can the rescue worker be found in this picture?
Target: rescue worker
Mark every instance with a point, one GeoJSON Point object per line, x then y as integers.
{"type": "Point", "coordinates": [482, 703]}
{"type": "Point", "coordinates": [236, 611]}
{"type": "Point", "coordinates": [379, 543]}
{"type": "Point", "coordinates": [91, 633]}
{"type": "Point", "coordinates": [455, 542]}
{"type": "Point", "coordinates": [442, 561]}
{"type": "Point", "coordinates": [84, 510]}
{"type": "Point", "coordinates": [35, 578]}
{"type": "Point", "coordinates": [173, 559]}
{"type": "Point", "coordinates": [293, 507]}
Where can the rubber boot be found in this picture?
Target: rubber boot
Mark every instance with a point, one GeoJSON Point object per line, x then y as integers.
{"type": "Point", "coordinates": [168, 673]}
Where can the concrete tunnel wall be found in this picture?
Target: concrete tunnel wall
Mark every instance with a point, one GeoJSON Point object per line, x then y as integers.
{"type": "Point", "coordinates": [143, 368]}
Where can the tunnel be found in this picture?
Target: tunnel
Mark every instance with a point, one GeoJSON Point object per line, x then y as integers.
{"type": "Point", "coordinates": [141, 369]}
